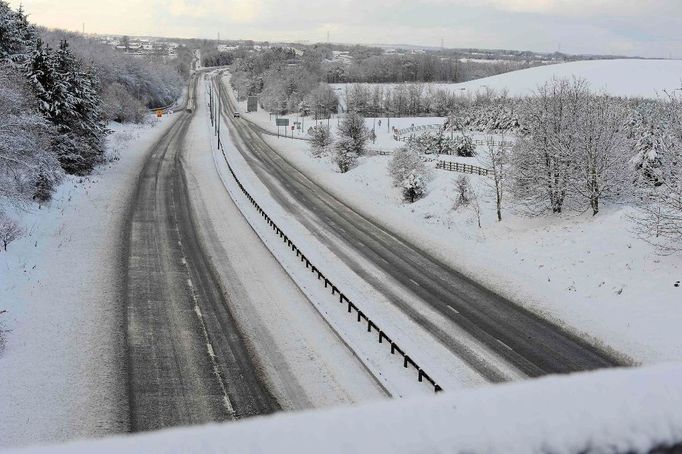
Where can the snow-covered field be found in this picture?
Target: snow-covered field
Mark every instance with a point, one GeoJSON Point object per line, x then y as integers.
{"type": "Point", "coordinates": [591, 275]}
{"type": "Point", "coordinates": [608, 411]}
{"type": "Point", "coordinates": [63, 321]}
{"type": "Point", "coordinates": [632, 78]}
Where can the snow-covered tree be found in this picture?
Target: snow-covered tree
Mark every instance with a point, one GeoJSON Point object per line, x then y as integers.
{"type": "Point", "coordinates": [601, 163]}
{"type": "Point", "coordinates": [321, 140]}
{"type": "Point", "coordinates": [406, 161]}
{"type": "Point", "coordinates": [414, 187]}
{"type": "Point", "coordinates": [323, 101]}
{"type": "Point", "coordinates": [68, 98]}
{"type": "Point", "coordinates": [345, 156]}
{"type": "Point", "coordinates": [17, 35]}
{"type": "Point", "coordinates": [25, 155]}
{"type": "Point", "coordinates": [9, 230]}
{"type": "Point", "coordinates": [659, 220]}
{"type": "Point", "coordinates": [464, 146]}
{"type": "Point", "coordinates": [121, 106]}
{"type": "Point", "coordinates": [544, 161]}
{"type": "Point", "coordinates": [353, 133]}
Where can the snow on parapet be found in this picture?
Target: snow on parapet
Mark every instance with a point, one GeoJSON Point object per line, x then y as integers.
{"type": "Point", "coordinates": [621, 410]}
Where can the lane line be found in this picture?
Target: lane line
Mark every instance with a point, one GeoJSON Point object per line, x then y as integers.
{"type": "Point", "coordinates": [504, 345]}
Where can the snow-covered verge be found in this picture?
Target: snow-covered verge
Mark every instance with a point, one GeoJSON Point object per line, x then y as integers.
{"type": "Point", "coordinates": [632, 410]}
{"type": "Point", "coordinates": [59, 286]}
{"type": "Point", "coordinates": [615, 77]}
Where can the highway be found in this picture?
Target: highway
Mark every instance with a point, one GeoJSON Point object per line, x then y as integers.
{"type": "Point", "coordinates": [187, 362]}
{"type": "Point", "coordinates": [216, 330]}
{"type": "Point", "coordinates": [529, 343]}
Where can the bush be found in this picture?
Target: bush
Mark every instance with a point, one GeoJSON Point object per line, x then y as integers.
{"type": "Point", "coordinates": [465, 193]}
{"type": "Point", "coordinates": [344, 155]}
{"type": "Point", "coordinates": [414, 187]}
{"type": "Point", "coordinates": [321, 140]}
{"type": "Point", "coordinates": [404, 162]}
{"type": "Point", "coordinates": [122, 107]}
{"type": "Point", "coordinates": [464, 147]}
{"type": "Point", "coordinates": [354, 132]}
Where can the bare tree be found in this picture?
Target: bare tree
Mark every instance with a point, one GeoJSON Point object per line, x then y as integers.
{"type": "Point", "coordinates": [544, 161]}
{"type": "Point", "coordinates": [496, 159]}
{"type": "Point", "coordinates": [9, 231]}
{"type": "Point", "coordinates": [601, 164]}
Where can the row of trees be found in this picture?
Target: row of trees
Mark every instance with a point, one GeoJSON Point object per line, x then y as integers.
{"type": "Point", "coordinates": [128, 84]}
{"type": "Point", "coordinates": [55, 100]}
{"type": "Point", "coordinates": [574, 149]}
{"type": "Point", "coordinates": [419, 99]}
{"type": "Point", "coordinates": [428, 67]}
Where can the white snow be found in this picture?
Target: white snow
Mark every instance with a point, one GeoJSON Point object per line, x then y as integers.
{"type": "Point", "coordinates": [608, 411]}
{"type": "Point", "coordinates": [630, 77]}
{"type": "Point", "coordinates": [63, 321]}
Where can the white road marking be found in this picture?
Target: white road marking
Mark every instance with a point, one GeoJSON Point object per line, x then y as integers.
{"type": "Point", "coordinates": [415, 282]}
{"type": "Point", "coordinates": [504, 345]}
{"type": "Point", "coordinates": [453, 309]}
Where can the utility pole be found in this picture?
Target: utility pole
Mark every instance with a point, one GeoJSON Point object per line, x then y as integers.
{"type": "Point", "coordinates": [83, 28]}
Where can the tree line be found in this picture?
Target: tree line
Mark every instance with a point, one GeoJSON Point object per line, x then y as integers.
{"type": "Point", "coordinates": [55, 101]}
{"type": "Point", "coordinates": [573, 150]}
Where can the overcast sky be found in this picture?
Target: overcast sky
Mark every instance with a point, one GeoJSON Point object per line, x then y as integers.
{"type": "Point", "coordinates": [649, 28]}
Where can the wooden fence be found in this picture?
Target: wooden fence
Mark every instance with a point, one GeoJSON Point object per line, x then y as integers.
{"type": "Point", "coordinates": [460, 167]}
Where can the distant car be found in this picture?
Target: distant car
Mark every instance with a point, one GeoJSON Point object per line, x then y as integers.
{"type": "Point", "coordinates": [237, 115]}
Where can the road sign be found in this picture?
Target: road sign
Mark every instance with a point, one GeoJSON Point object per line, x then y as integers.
{"type": "Point", "coordinates": [252, 104]}
{"type": "Point", "coordinates": [282, 121]}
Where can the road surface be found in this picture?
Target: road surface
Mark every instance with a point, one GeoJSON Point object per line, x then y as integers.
{"type": "Point", "coordinates": [187, 362]}
{"type": "Point", "coordinates": [528, 342]}
{"type": "Point", "coordinates": [216, 329]}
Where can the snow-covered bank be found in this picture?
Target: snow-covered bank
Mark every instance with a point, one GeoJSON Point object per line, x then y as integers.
{"type": "Point", "coordinates": [608, 411]}
{"type": "Point", "coordinates": [632, 78]}
{"type": "Point", "coordinates": [59, 285]}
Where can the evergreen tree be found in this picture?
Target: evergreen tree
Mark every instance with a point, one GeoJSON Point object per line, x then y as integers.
{"type": "Point", "coordinates": [17, 36]}
{"type": "Point", "coordinates": [68, 98]}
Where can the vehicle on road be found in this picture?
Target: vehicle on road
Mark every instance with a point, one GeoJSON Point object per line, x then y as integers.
{"type": "Point", "coordinates": [237, 115]}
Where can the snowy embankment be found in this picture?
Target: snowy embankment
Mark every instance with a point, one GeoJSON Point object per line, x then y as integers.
{"type": "Point", "coordinates": [589, 274]}
{"type": "Point", "coordinates": [632, 410]}
{"type": "Point", "coordinates": [59, 284]}
{"type": "Point", "coordinates": [631, 78]}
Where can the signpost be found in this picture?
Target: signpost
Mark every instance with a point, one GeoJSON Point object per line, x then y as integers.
{"type": "Point", "coordinates": [282, 122]}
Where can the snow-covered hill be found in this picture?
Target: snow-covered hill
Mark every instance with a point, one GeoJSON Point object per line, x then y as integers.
{"type": "Point", "coordinates": [645, 78]}
{"type": "Point", "coordinates": [634, 78]}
